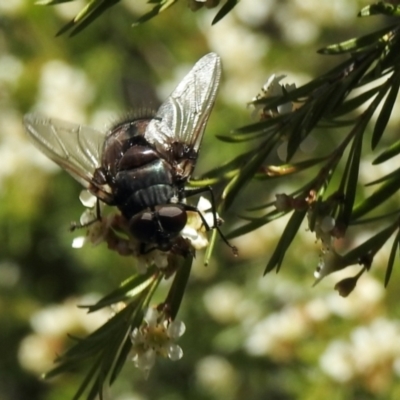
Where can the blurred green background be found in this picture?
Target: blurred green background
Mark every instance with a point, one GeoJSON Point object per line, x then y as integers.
{"type": "Point", "coordinates": [248, 336]}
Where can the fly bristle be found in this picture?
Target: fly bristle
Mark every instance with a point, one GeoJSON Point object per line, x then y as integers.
{"type": "Point", "coordinates": [129, 117]}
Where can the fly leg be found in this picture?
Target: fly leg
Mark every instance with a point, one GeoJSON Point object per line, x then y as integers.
{"type": "Point", "coordinates": [217, 221]}
{"type": "Point", "coordinates": [78, 225]}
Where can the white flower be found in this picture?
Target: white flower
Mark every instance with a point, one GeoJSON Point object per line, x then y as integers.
{"type": "Point", "coordinates": [370, 353]}
{"type": "Point", "coordinates": [50, 326]}
{"type": "Point", "coordinates": [113, 229]}
{"type": "Point", "coordinates": [195, 231]}
{"type": "Point", "coordinates": [272, 88]}
{"type": "Point", "coordinates": [156, 337]}
{"type": "Point", "coordinates": [105, 230]}
{"type": "Point", "coordinates": [78, 242]}
{"type": "Point", "coordinates": [155, 257]}
{"type": "Point", "coordinates": [96, 229]}
{"type": "Point", "coordinates": [87, 199]}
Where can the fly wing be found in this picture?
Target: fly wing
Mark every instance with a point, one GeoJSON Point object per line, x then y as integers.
{"type": "Point", "coordinates": [74, 147]}
{"type": "Point", "coordinates": [184, 115]}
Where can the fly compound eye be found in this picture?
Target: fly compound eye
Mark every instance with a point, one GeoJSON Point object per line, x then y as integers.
{"type": "Point", "coordinates": [172, 218]}
{"type": "Point", "coordinates": [159, 226]}
{"type": "Point", "coordinates": [143, 226]}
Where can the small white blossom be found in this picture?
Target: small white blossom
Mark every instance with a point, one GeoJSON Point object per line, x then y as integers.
{"type": "Point", "coordinates": [151, 316]}
{"type": "Point", "coordinates": [96, 229]}
{"type": "Point", "coordinates": [370, 353]}
{"type": "Point", "coordinates": [176, 329]}
{"type": "Point", "coordinates": [175, 352]}
{"type": "Point", "coordinates": [87, 217]}
{"type": "Point", "coordinates": [195, 231]}
{"type": "Point", "coordinates": [50, 326]}
{"type": "Point", "coordinates": [103, 229]}
{"type": "Point", "coordinates": [87, 199]}
{"type": "Point", "coordinates": [78, 242]}
{"type": "Point", "coordinates": [156, 337]}
{"type": "Point", "coordinates": [155, 257]}
{"type": "Point", "coordinates": [145, 360]}
{"type": "Point", "coordinates": [272, 88]}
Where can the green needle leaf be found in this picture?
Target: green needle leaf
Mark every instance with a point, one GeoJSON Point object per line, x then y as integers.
{"type": "Point", "coordinates": [255, 224]}
{"type": "Point", "coordinates": [381, 7]}
{"type": "Point", "coordinates": [51, 2]}
{"type": "Point", "coordinates": [358, 44]}
{"type": "Point", "coordinates": [392, 257]}
{"type": "Point", "coordinates": [387, 154]}
{"type": "Point", "coordinates": [178, 287]}
{"type": "Point", "coordinates": [160, 7]}
{"type": "Point", "coordinates": [246, 173]}
{"type": "Point", "coordinates": [352, 104]}
{"type": "Point", "coordinates": [388, 189]}
{"type": "Point", "coordinates": [88, 378]}
{"type": "Point", "coordinates": [87, 15]}
{"type": "Point", "coordinates": [225, 9]}
{"type": "Point", "coordinates": [352, 177]}
{"type": "Point", "coordinates": [386, 111]}
{"type": "Point", "coordinates": [286, 239]}
{"type": "Point", "coordinates": [370, 246]}
{"type": "Point", "coordinates": [395, 173]}
{"type": "Point", "coordinates": [128, 289]}
{"type": "Point", "coordinates": [238, 138]}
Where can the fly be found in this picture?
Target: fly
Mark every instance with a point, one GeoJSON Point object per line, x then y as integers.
{"type": "Point", "coordinates": [142, 164]}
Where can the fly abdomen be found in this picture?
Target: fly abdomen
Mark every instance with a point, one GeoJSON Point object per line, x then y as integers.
{"type": "Point", "coordinates": [150, 197]}
{"type": "Point", "coordinates": [144, 187]}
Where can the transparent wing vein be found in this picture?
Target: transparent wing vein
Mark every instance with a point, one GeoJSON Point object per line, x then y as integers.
{"type": "Point", "coordinates": [74, 147]}
{"type": "Point", "coordinates": [184, 115]}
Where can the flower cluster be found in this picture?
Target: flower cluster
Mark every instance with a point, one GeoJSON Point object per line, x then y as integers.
{"type": "Point", "coordinates": [371, 354]}
{"type": "Point", "coordinates": [50, 327]}
{"type": "Point", "coordinates": [156, 337]}
{"type": "Point", "coordinates": [113, 229]}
